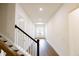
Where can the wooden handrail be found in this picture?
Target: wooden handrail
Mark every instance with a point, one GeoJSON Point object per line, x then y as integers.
{"type": "Point", "coordinates": [7, 49]}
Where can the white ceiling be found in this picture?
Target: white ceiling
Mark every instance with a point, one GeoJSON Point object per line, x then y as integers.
{"type": "Point", "coordinates": [33, 11]}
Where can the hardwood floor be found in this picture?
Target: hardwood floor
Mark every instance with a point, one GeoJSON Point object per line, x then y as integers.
{"type": "Point", "coordinates": [45, 49]}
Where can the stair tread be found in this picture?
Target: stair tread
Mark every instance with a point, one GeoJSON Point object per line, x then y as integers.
{"type": "Point", "coordinates": [16, 50]}
{"type": "Point", "coordinates": [0, 36]}
{"type": "Point", "coordinates": [2, 39]}
{"type": "Point", "coordinates": [5, 41]}
{"type": "Point", "coordinates": [22, 55]}
{"type": "Point", "coordinates": [10, 45]}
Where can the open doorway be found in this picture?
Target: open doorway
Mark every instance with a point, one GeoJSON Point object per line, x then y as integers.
{"type": "Point", "coordinates": [40, 31]}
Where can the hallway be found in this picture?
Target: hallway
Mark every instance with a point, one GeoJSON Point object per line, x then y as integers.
{"type": "Point", "coordinates": [58, 23]}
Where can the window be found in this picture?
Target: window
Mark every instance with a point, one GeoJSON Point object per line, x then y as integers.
{"type": "Point", "coordinates": [40, 30]}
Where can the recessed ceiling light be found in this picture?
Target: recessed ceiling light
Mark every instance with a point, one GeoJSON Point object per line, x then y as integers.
{"type": "Point", "coordinates": [41, 9]}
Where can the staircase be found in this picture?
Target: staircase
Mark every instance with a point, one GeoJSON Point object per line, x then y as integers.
{"type": "Point", "coordinates": [9, 49]}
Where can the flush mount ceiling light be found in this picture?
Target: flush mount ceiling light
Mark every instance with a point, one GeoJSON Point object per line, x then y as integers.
{"type": "Point", "coordinates": [40, 23]}
{"type": "Point", "coordinates": [41, 9]}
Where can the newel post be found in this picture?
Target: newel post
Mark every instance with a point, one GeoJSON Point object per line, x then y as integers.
{"type": "Point", "coordinates": [38, 47]}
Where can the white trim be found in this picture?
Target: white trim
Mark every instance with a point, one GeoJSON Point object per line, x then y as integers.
{"type": "Point", "coordinates": [20, 49]}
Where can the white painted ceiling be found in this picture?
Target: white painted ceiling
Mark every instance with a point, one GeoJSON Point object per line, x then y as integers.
{"type": "Point", "coordinates": [33, 11]}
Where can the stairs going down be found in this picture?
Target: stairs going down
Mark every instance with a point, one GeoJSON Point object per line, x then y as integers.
{"type": "Point", "coordinates": [9, 48]}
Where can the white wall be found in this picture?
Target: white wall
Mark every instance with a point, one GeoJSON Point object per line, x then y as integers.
{"type": "Point", "coordinates": [0, 18]}
{"type": "Point", "coordinates": [57, 29]}
{"type": "Point", "coordinates": [9, 16]}
{"type": "Point", "coordinates": [29, 26]}
{"type": "Point", "coordinates": [26, 25]}
{"type": "Point", "coordinates": [74, 32]}
{"type": "Point", "coordinates": [7, 20]}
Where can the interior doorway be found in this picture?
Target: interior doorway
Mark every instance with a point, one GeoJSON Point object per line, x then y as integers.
{"type": "Point", "coordinates": [40, 31]}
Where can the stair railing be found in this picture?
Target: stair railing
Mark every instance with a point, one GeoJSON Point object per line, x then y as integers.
{"type": "Point", "coordinates": [36, 41]}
